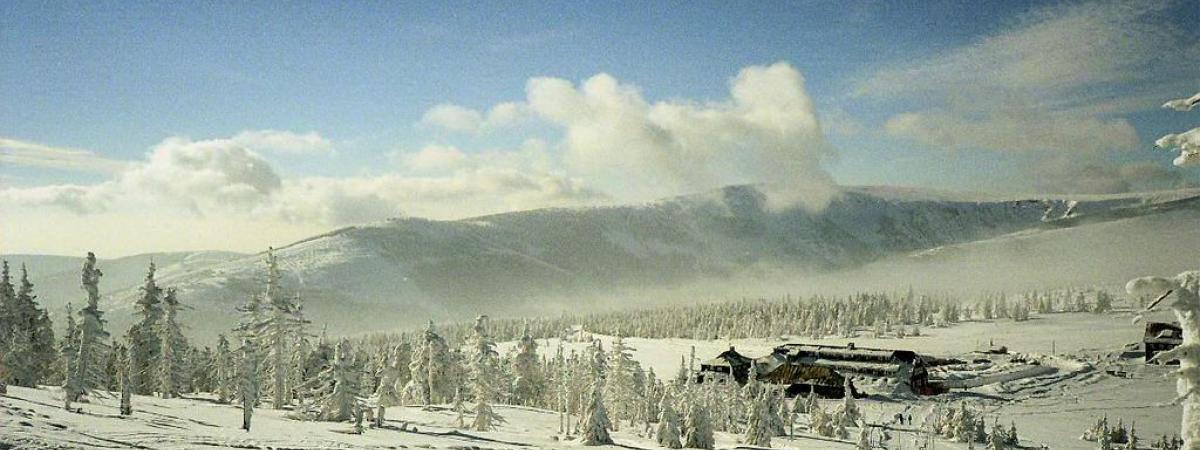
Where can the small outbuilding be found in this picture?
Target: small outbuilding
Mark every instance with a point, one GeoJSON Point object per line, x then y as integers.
{"type": "Point", "coordinates": [1160, 337]}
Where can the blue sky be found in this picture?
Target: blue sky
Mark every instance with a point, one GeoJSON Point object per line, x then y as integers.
{"type": "Point", "coordinates": [929, 94]}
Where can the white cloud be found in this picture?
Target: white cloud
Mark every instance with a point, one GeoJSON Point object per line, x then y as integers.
{"type": "Point", "coordinates": [32, 154]}
{"type": "Point", "coordinates": [454, 118]}
{"type": "Point", "coordinates": [1050, 82]}
{"type": "Point", "coordinates": [767, 132]}
{"type": "Point", "coordinates": [282, 141]}
{"type": "Point", "coordinates": [220, 179]}
{"type": "Point", "coordinates": [461, 119]}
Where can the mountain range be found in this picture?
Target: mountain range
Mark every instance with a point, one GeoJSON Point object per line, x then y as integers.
{"type": "Point", "coordinates": [711, 246]}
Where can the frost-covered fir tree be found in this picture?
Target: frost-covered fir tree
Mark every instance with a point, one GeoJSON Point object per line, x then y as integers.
{"type": "Point", "coordinates": [224, 371]}
{"type": "Point", "coordinates": [759, 429]}
{"type": "Point", "coordinates": [460, 410]}
{"type": "Point", "coordinates": [482, 366]}
{"type": "Point", "coordinates": [143, 336]}
{"type": "Point", "coordinates": [620, 389]}
{"type": "Point", "coordinates": [126, 380]}
{"type": "Point", "coordinates": [429, 370]}
{"type": "Point", "coordinates": [864, 440]}
{"type": "Point", "coordinates": [849, 414]}
{"type": "Point", "coordinates": [387, 394]}
{"type": "Point", "coordinates": [86, 372]}
{"type": "Point", "coordinates": [336, 389]}
{"type": "Point", "coordinates": [697, 428]}
{"type": "Point", "coordinates": [595, 426]}
{"type": "Point", "coordinates": [247, 377]}
{"type": "Point", "coordinates": [668, 432]}
{"type": "Point", "coordinates": [172, 369]}
{"type": "Point", "coordinates": [283, 324]}
{"type": "Point", "coordinates": [27, 350]}
{"type": "Point", "coordinates": [528, 382]}
{"type": "Point", "coordinates": [1185, 287]}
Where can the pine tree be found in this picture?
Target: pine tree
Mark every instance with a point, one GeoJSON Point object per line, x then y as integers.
{"type": "Point", "coordinates": [528, 384]}
{"type": "Point", "coordinates": [698, 430]}
{"type": "Point", "coordinates": [173, 347]}
{"type": "Point", "coordinates": [86, 374]}
{"type": "Point", "coordinates": [225, 371]}
{"type": "Point", "coordinates": [668, 431]}
{"type": "Point", "coordinates": [248, 388]}
{"type": "Point", "coordinates": [126, 380]}
{"type": "Point", "coordinates": [864, 440]}
{"type": "Point", "coordinates": [144, 341]}
{"type": "Point", "coordinates": [388, 392]}
{"type": "Point", "coordinates": [282, 326]}
{"type": "Point", "coordinates": [619, 386]}
{"type": "Point", "coordinates": [337, 388]}
{"type": "Point", "coordinates": [483, 368]}
{"type": "Point", "coordinates": [849, 414]}
{"type": "Point", "coordinates": [30, 341]}
{"type": "Point", "coordinates": [595, 428]}
{"type": "Point", "coordinates": [759, 428]}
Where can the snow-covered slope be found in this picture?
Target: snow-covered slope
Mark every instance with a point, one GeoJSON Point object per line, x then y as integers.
{"type": "Point", "coordinates": [405, 271]}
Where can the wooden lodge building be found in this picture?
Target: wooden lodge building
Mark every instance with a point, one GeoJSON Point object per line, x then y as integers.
{"type": "Point", "coordinates": [821, 368]}
{"type": "Point", "coordinates": [1160, 337]}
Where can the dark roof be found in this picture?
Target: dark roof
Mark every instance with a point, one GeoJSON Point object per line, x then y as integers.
{"type": "Point", "coordinates": [1163, 333]}
{"type": "Point", "coordinates": [729, 358]}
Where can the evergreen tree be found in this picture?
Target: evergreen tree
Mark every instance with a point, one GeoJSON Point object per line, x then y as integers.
{"type": "Point", "coordinates": [849, 414]}
{"type": "Point", "coordinates": [595, 426]}
{"type": "Point", "coordinates": [86, 373]}
{"type": "Point", "coordinates": [388, 392]}
{"type": "Point", "coordinates": [528, 382]}
{"type": "Point", "coordinates": [144, 341]}
{"type": "Point", "coordinates": [248, 388]}
{"type": "Point", "coordinates": [668, 431]}
{"type": "Point", "coordinates": [698, 430]}
{"type": "Point", "coordinates": [283, 325]}
{"type": "Point", "coordinates": [224, 371]}
{"type": "Point", "coordinates": [30, 341]}
{"type": "Point", "coordinates": [759, 430]}
{"type": "Point", "coordinates": [620, 387]}
{"type": "Point", "coordinates": [173, 347]}
{"type": "Point", "coordinates": [335, 395]}
{"type": "Point", "coordinates": [483, 369]}
{"type": "Point", "coordinates": [126, 380]}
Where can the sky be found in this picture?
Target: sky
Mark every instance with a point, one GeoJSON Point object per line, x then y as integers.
{"type": "Point", "coordinates": [132, 127]}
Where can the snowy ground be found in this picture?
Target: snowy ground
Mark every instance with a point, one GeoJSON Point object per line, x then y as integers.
{"type": "Point", "coordinates": [1050, 408]}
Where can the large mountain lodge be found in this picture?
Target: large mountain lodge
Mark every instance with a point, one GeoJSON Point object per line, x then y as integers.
{"type": "Point", "coordinates": [820, 368]}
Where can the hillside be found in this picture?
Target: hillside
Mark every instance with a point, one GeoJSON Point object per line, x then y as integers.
{"type": "Point", "coordinates": [404, 271]}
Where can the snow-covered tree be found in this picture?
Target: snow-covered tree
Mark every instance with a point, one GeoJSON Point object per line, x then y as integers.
{"type": "Point", "coordinates": [759, 429]}
{"type": "Point", "coordinates": [595, 426]}
{"type": "Point", "coordinates": [482, 371]}
{"type": "Point", "coordinates": [848, 414]}
{"type": "Point", "coordinates": [429, 369]}
{"type": "Point", "coordinates": [668, 432]}
{"type": "Point", "coordinates": [1185, 287]}
{"type": "Point", "coordinates": [224, 370]}
{"type": "Point", "coordinates": [173, 347]}
{"type": "Point", "coordinates": [336, 389]}
{"type": "Point", "coordinates": [27, 348]}
{"type": "Point", "coordinates": [86, 372]}
{"type": "Point", "coordinates": [620, 389]}
{"type": "Point", "coordinates": [697, 428]}
{"type": "Point", "coordinates": [144, 340]}
{"type": "Point", "coordinates": [126, 380]}
{"type": "Point", "coordinates": [864, 440]}
{"type": "Point", "coordinates": [248, 385]}
{"type": "Point", "coordinates": [528, 382]}
{"type": "Point", "coordinates": [387, 394]}
{"type": "Point", "coordinates": [282, 325]}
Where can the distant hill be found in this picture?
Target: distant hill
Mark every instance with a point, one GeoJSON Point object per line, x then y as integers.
{"type": "Point", "coordinates": [402, 272]}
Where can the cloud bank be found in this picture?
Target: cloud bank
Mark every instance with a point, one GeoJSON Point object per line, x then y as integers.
{"type": "Point", "coordinates": [766, 132]}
